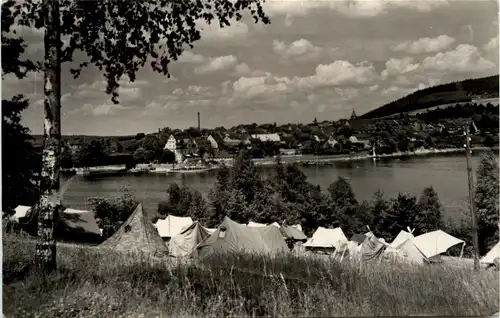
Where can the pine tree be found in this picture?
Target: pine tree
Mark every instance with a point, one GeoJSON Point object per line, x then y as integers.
{"type": "Point", "coordinates": [400, 214]}
{"type": "Point", "coordinates": [486, 201]}
{"type": "Point", "coordinates": [428, 214]}
{"type": "Point", "coordinates": [236, 207]}
{"type": "Point", "coordinates": [341, 193]}
{"type": "Point", "coordinates": [380, 206]}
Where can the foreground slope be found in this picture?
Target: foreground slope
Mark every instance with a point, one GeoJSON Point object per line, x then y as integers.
{"type": "Point", "coordinates": [90, 283]}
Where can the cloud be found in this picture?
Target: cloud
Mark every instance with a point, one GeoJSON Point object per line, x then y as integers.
{"type": "Point", "coordinates": [102, 110]}
{"type": "Point", "coordinates": [190, 57]}
{"type": "Point", "coordinates": [334, 74]}
{"type": "Point", "coordinates": [300, 49]}
{"type": "Point", "coordinates": [213, 31]}
{"type": "Point", "coordinates": [397, 92]}
{"type": "Point", "coordinates": [128, 90]}
{"type": "Point", "coordinates": [464, 59]}
{"type": "Point", "coordinates": [249, 87]}
{"type": "Point", "coordinates": [398, 66]}
{"type": "Point", "coordinates": [350, 8]}
{"type": "Point", "coordinates": [424, 45]}
{"type": "Point", "coordinates": [243, 69]}
{"type": "Point", "coordinates": [339, 73]}
{"type": "Point", "coordinates": [492, 45]}
{"type": "Point", "coordinates": [217, 64]}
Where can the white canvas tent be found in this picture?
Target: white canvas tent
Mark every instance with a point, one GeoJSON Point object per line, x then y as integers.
{"type": "Point", "coordinates": [255, 224]}
{"type": "Point", "coordinates": [185, 242]}
{"type": "Point", "coordinates": [21, 212]}
{"type": "Point", "coordinates": [172, 225]}
{"type": "Point", "coordinates": [401, 238]}
{"type": "Point", "coordinates": [327, 238]}
{"type": "Point", "coordinates": [436, 242]}
{"type": "Point", "coordinates": [491, 255]}
{"type": "Point", "coordinates": [407, 252]}
{"type": "Point", "coordinates": [298, 226]}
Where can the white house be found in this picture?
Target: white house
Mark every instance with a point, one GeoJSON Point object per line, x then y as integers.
{"type": "Point", "coordinates": [331, 141]}
{"type": "Point", "coordinates": [267, 137]}
{"type": "Point", "coordinates": [228, 141]}
{"type": "Point", "coordinates": [213, 142]}
{"type": "Point", "coordinates": [355, 140]}
{"type": "Point", "coordinates": [173, 146]}
{"type": "Point", "coordinates": [288, 152]}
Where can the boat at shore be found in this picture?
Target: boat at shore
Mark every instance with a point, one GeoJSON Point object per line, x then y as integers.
{"type": "Point", "coordinates": [190, 170]}
{"type": "Point", "coordinates": [101, 173]}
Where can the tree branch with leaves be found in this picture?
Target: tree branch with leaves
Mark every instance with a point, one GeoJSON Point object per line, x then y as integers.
{"type": "Point", "coordinates": [119, 38]}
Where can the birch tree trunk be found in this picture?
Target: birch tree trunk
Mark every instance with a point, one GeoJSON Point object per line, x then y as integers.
{"type": "Point", "coordinates": [49, 200]}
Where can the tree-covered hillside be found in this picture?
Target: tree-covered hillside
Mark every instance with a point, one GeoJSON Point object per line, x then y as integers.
{"type": "Point", "coordinates": [456, 92]}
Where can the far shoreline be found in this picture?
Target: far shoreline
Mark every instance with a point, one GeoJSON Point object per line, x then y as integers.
{"type": "Point", "coordinates": [308, 160]}
{"type": "Point", "coordinates": [321, 160]}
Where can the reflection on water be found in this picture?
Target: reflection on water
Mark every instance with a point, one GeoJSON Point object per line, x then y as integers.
{"type": "Point", "coordinates": [447, 174]}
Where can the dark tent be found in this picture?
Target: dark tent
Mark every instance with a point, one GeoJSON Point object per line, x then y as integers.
{"type": "Point", "coordinates": [231, 237]}
{"type": "Point", "coordinates": [137, 235]}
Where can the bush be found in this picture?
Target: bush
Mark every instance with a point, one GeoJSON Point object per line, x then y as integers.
{"type": "Point", "coordinates": [111, 212]}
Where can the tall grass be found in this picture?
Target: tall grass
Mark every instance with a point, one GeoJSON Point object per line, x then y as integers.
{"type": "Point", "coordinates": [90, 282]}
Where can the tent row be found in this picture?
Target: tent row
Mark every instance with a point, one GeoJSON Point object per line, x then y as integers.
{"type": "Point", "coordinates": [185, 237]}
{"type": "Point", "coordinates": [181, 236]}
{"type": "Point", "coordinates": [425, 248]}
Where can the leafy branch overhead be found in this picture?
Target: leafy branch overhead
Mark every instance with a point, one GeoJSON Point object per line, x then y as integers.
{"type": "Point", "coordinates": [119, 37]}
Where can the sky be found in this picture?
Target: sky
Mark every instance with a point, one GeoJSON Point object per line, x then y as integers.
{"type": "Point", "coordinates": [317, 59]}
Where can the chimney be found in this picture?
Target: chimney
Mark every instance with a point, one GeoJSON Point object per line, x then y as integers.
{"type": "Point", "coordinates": [199, 128]}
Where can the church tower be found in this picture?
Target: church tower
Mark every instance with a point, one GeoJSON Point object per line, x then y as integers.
{"type": "Point", "coordinates": [353, 115]}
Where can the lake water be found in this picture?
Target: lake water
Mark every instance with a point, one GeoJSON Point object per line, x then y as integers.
{"type": "Point", "coordinates": [447, 174]}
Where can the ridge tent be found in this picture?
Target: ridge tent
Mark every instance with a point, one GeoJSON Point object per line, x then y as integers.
{"type": "Point", "coordinates": [401, 238]}
{"type": "Point", "coordinates": [137, 235]}
{"type": "Point", "coordinates": [79, 225]}
{"type": "Point", "coordinates": [172, 225]}
{"type": "Point", "coordinates": [297, 226]}
{"type": "Point", "coordinates": [255, 224]}
{"type": "Point", "coordinates": [434, 243]}
{"type": "Point", "coordinates": [71, 226]}
{"type": "Point", "coordinates": [327, 239]}
{"type": "Point", "coordinates": [232, 237]}
{"type": "Point", "coordinates": [293, 233]}
{"type": "Point", "coordinates": [183, 243]}
{"type": "Point", "coordinates": [407, 252]}
{"type": "Point", "coordinates": [372, 248]}
{"type": "Point", "coordinates": [489, 258]}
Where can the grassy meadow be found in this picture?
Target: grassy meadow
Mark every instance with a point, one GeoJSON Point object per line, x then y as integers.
{"type": "Point", "coordinates": [90, 283]}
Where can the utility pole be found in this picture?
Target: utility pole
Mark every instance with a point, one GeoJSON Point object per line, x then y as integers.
{"type": "Point", "coordinates": [468, 153]}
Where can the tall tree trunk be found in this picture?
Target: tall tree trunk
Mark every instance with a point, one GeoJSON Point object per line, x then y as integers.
{"type": "Point", "coordinates": [50, 201]}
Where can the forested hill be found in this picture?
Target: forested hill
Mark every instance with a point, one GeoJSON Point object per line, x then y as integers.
{"type": "Point", "coordinates": [456, 92]}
